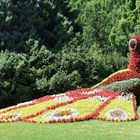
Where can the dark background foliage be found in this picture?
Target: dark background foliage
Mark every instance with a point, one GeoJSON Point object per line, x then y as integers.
{"type": "Point", "coordinates": [51, 46]}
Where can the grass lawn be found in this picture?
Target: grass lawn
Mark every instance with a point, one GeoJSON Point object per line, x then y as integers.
{"type": "Point", "coordinates": [86, 130]}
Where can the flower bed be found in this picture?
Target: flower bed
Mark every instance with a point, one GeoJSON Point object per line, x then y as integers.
{"type": "Point", "coordinates": [73, 106]}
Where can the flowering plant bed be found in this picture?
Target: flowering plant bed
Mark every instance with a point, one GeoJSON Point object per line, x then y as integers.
{"type": "Point", "coordinates": [77, 105]}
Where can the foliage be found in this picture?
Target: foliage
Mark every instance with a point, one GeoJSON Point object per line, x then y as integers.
{"type": "Point", "coordinates": [109, 23]}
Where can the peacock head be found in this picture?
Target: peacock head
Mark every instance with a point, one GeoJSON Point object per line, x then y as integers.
{"type": "Point", "coordinates": [134, 47]}
{"type": "Point", "coordinates": [134, 44]}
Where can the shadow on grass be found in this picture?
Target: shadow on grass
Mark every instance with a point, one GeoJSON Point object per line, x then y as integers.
{"type": "Point", "coordinates": [138, 100]}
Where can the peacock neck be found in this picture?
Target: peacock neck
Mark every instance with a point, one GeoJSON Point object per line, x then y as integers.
{"type": "Point", "coordinates": [134, 61]}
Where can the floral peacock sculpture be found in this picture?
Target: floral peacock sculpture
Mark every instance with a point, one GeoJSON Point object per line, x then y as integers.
{"type": "Point", "coordinates": [113, 99]}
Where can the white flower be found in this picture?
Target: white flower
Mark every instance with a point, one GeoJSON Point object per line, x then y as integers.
{"type": "Point", "coordinates": [25, 103]}
{"type": "Point", "coordinates": [62, 98]}
{"type": "Point", "coordinates": [94, 91]}
{"type": "Point", "coordinates": [99, 98]}
{"type": "Point", "coordinates": [126, 96]}
{"type": "Point", "coordinates": [60, 94]}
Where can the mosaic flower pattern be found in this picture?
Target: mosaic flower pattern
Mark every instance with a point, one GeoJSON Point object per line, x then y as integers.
{"type": "Point", "coordinates": [9, 117]}
{"type": "Point", "coordinates": [116, 114]}
{"type": "Point", "coordinates": [60, 114]}
{"type": "Point", "coordinates": [74, 106]}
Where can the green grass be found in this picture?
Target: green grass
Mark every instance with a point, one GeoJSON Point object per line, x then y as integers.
{"type": "Point", "coordinates": [86, 130]}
